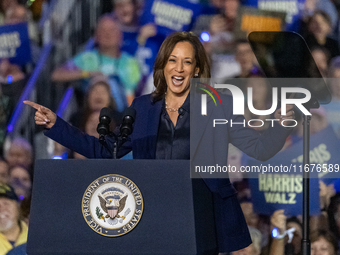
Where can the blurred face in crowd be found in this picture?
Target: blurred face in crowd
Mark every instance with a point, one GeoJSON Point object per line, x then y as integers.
{"type": "Point", "coordinates": [245, 56]}
{"type": "Point", "coordinates": [17, 155]}
{"type": "Point", "coordinates": [92, 123]}
{"type": "Point", "coordinates": [318, 121]}
{"type": "Point", "coordinates": [321, 61]}
{"type": "Point", "coordinates": [16, 15]}
{"type": "Point", "coordinates": [20, 180]}
{"type": "Point", "coordinates": [6, 4]}
{"type": "Point", "coordinates": [125, 11]}
{"type": "Point", "coordinates": [231, 8]}
{"type": "Point", "coordinates": [9, 214]}
{"type": "Point", "coordinates": [217, 3]}
{"type": "Point", "coordinates": [322, 247]}
{"type": "Point", "coordinates": [319, 26]}
{"type": "Point", "coordinates": [108, 34]}
{"type": "Point", "coordinates": [4, 174]}
{"type": "Point", "coordinates": [335, 83]}
{"type": "Point", "coordinates": [180, 68]}
{"type": "Point", "coordinates": [99, 97]}
{"type": "Point", "coordinates": [260, 90]}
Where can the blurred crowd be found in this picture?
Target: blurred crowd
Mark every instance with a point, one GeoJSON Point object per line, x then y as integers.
{"type": "Point", "coordinates": [117, 66]}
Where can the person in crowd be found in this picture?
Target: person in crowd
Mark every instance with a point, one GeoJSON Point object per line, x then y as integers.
{"type": "Point", "coordinates": [24, 216]}
{"type": "Point", "coordinates": [333, 108]}
{"type": "Point", "coordinates": [140, 41]}
{"type": "Point", "coordinates": [311, 6]}
{"type": "Point", "coordinates": [89, 128]}
{"type": "Point", "coordinates": [164, 114]}
{"type": "Point", "coordinates": [97, 97]}
{"type": "Point", "coordinates": [321, 58]}
{"type": "Point", "coordinates": [222, 27]}
{"type": "Point", "coordinates": [261, 100]}
{"type": "Point", "coordinates": [319, 29]}
{"type": "Point", "coordinates": [323, 243]}
{"type": "Point", "coordinates": [333, 212]}
{"type": "Point", "coordinates": [4, 171]}
{"type": "Point", "coordinates": [234, 159]}
{"type": "Point", "coordinates": [21, 181]}
{"type": "Point", "coordinates": [19, 13]}
{"type": "Point", "coordinates": [280, 245]}
{"type": "Point", "coordinates": [317, 123]}
{"type": "Point", "coordinates": [20, 152]}
{"type": "Point", "coordinates": [13, 231]}
{"type": "Point", "coordinates": [107, 58]}
{"type": "Point", "coordinates": [4, 6]}
{"type": "Point", "coordinates": [251, 217]}
{"type": "Point", "coordinates": [246, 58]}
{"type": "Point", "coordinates": [9, 72]}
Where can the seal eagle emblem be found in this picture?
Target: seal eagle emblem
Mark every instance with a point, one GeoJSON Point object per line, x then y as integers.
{"type": "Point", "coordinates": [112, 205]}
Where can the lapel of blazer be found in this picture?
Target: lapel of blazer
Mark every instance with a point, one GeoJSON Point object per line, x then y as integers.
{"type": "Point", "coordinates": [198, 122]}
{"type": "Point", "coordinates": [154, 115]}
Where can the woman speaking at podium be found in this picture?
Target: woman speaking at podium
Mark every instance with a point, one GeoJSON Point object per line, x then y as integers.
{"type": "Point", "coordinates": [162, 130]}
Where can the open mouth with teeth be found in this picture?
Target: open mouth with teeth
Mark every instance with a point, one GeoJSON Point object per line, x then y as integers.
{"type": "Point", "coordinates": [177, 80]}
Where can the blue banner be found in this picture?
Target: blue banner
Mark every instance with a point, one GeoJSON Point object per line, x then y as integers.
{"type": "Point", "coordinates": [15, 44]}
{"type": "Point", "coordinates": [271, 192]}
{"type": "Point", "coordinates": [170, 15]}
{"type": "Point", "coordinates": [277, 183]}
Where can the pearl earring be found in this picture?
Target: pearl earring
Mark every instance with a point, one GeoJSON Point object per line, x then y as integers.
{"type": "Point", "coordinates": [196, 74]}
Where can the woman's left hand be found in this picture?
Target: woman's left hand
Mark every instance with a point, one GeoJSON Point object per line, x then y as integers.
{"type": "Point", "coordinates": [290, 115]}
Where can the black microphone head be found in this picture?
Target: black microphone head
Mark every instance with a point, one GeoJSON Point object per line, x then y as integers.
{"type": "Point", "coordinates": [130, 112]}
{"type": "Point", "coordinates": [105, 114]}
{"type": "Point", "coordinates": [103, 127]}
{"type": "Point", "coordinates": [128, 119]}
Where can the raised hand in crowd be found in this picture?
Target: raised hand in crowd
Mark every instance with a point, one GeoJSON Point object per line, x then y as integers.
{"type": "Point", "coordinates": [146, 31]}
{"type": "Point", "coordinates": [43, 115]}
{"type": "Point", "coordinates": [278, 220]}
{"type": "Point", "coordinates": [326, 192]}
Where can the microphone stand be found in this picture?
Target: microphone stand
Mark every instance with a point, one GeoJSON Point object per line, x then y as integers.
{"type": "Point", "coordinates": [305, 242]}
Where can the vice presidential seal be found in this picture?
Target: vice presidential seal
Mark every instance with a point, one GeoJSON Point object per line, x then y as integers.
{"type": "Point", "coordinates": [112, 205]}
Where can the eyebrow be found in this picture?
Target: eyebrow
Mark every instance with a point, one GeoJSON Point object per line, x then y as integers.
{"type": "Point", "coordinates": [184, 58]}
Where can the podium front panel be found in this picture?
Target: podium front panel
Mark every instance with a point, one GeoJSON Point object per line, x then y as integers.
{"type": "Point", "coordinates": [177, 215]}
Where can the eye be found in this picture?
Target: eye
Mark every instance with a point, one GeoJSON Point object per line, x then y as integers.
{"type": "Point", "coordinates": [172, 60]}
{"type": "Point", "coordinates": [188, 62]}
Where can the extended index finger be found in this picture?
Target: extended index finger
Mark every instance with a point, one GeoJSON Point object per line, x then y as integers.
{"type": "Point", "coordinates": [34, 105]}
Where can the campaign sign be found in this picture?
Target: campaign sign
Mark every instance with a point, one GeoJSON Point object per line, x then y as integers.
{"type": "Point", "coordinates": [323, 154]}
{"type": "Point", "coordinates": [15, 44]}
{"type": "Point", "coordinates": [277, 183]}
{"type": "Point", "coordinates": [252, 19]}
{"type": "Point", "coordinates": [271, 192]}
{"type": "Point", "coordinates": [170, 15]}
{"type": "Point", "coordinates": [292, 8]}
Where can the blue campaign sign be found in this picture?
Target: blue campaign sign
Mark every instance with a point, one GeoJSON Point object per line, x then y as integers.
{"type": "Point", "coordinates": [15, 44]}
{"type": "Point", "coordinates": [271, 192]}
{"type": "Point", "coordinates": [274, 190]}
{"type": "Point", "coordinates": [324, 153]}
{"type": "Point", "coordinates": [292, 8]}
{"type": "Point", "coordinates": [170, 15]}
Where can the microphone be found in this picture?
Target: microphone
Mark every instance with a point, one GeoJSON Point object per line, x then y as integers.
{"type": "Point", "coordinates": [126, 127]}
{"type": "Point", "coordinates": [103, 127]}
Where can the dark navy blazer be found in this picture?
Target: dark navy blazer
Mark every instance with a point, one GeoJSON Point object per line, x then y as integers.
{"type": "Point", "coordinates": [231, 228]}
